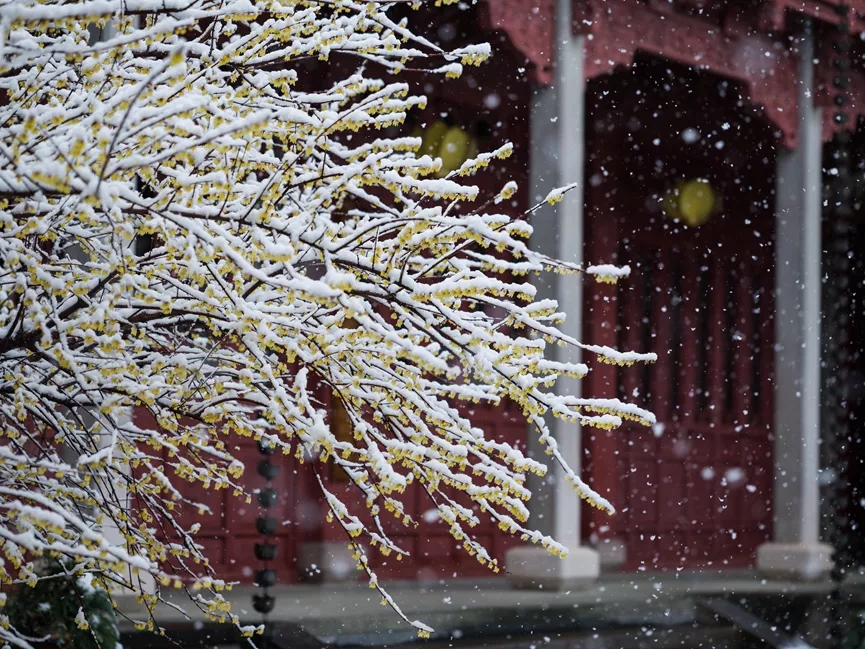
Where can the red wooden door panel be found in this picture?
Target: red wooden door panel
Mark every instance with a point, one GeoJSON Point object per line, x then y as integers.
{"type": "Point", "coordinates": [434, 553]}
{"type": "Point", "coordinates": [228, 533]}
{"type": "Point", "coordinates": [699, 484]}
{"type": "Point", "coordinates": [697, 489]}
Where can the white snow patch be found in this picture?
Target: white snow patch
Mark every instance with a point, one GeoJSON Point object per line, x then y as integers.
{"type": "Point", "coordinates": [431, 515]}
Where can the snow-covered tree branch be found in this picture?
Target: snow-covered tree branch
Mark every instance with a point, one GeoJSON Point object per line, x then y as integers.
{"type": "Point", "coordinates": [187, 229]}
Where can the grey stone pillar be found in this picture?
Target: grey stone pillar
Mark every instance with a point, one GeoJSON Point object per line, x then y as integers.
{"type": "Point", "coordinates": [557, 159]}
{"type": "Point", "coordinates": [795, 550]}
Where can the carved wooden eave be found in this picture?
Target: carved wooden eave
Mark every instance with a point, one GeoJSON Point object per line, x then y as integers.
{"type": "Point", "coordinates": [728, 46]}
{"type": "Point", "coordinates": [529, 25]}
{"type": "Point", "coordinates": [821, 11]}
{"type": "Point", "coordinates": [749, 43]}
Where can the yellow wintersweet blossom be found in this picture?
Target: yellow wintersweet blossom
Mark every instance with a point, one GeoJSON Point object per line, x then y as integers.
{"type": "Point", "coordinates": [199, 229]}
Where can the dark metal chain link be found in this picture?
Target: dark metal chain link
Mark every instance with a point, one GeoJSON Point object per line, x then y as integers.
{"type": "Point", "coordinates": [837, 323]}
{"type": "Point", "coordinates": [267, 550]}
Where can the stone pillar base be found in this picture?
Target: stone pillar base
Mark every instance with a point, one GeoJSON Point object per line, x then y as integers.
{"type": "Point", "coordinates": [794, 561]}
{"type": "Point", "coordinates": [613, 553]}
{"type": "Point", "coordinates": [326, 561]}
{"type": "Point", "coordinates": [534, 567]}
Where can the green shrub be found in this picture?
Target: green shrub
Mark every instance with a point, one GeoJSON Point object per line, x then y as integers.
{"type": "Point", "coordinates": [65, 610]}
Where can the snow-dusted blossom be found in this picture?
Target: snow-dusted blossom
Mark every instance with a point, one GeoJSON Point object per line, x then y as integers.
{"type": "Point", "coordinates": [193, 248]}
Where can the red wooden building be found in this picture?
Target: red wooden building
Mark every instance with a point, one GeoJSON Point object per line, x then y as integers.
{"type": "Point", "coordinates": [632, 97]}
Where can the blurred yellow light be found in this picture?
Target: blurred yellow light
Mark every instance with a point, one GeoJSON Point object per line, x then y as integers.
{"type": "Point", "coordinates": [454, 150]}
{"type": "Point", "coordinates": [452, 145]}
{"type": "Point", "coordinates": [692, 202]}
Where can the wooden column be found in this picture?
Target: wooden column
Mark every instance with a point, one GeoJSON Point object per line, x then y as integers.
{"type": "Point", "coordinates": [795, 549]}
{"type": "Point", "coordinates": [557, 149]}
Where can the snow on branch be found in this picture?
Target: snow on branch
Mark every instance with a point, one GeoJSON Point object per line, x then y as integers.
{"type": "Point", "coordinates": [198, 235]}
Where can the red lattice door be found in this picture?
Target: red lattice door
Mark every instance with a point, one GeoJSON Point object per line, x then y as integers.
{"type": "Point", "coordinates": [227, 522]}
{"type": "Point", "coordinates": [433, 552]}
{"type": "Point", "coordinates": [695, 490]}
{"type": "Point", "coordinates": [697, 487]}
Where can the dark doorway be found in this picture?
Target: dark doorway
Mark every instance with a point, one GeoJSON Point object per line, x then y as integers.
{"type": "Point", "coordinates": [695, 491]}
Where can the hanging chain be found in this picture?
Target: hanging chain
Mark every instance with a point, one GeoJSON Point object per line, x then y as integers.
{"type": "Point", "coordinates": [266, 525]}
{"type": "Point", "coordinates": [838, 321]}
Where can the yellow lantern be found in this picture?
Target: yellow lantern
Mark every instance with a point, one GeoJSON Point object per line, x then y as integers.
{"type": "Point", "coordinates": [696, 202]}
{"type": "Point", "coordinates": [692, 201]}
{"type": "Point", "coordinates": [453, 150]}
